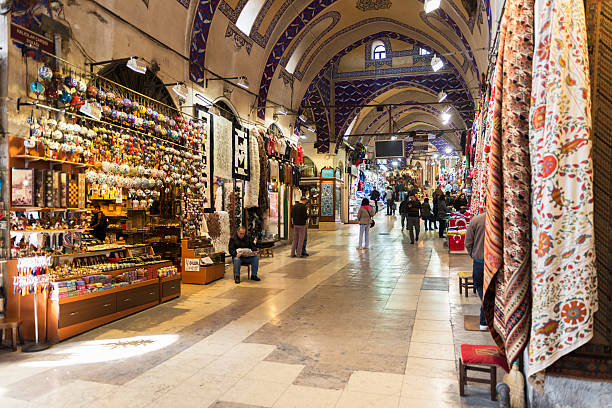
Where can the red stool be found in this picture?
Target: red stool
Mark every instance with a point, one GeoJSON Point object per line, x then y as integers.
{"type": "Point", "coordinates": [481, 355]}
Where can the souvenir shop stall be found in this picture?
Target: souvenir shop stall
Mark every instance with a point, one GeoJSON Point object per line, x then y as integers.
{"type": "Point", "coordinates": [541, 170]}
{"type": "Point", "coordinates": [324, 198]}
{"type": "Point", "coordinates": [83, 142]}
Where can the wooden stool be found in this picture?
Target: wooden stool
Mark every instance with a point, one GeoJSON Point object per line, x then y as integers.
{"type": "Point", "coordinates": [248, 270]}
{"type": "Point", "coordinates": [13, 325]}
{"type": "Point", "coordinates": [267, 252]}
{"type": "Point", "coordinates": [466, 282]}
{"type": "Point", "coordinates": [482, 355]}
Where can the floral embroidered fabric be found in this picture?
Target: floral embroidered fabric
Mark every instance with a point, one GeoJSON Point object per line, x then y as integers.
{"type": "Point", "coordinates": [563, 267]}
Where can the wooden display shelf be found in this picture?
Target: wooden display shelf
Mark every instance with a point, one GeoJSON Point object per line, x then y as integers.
{"type": "Point", "coordinates": [71, 299]}
{"type": "Point", "coordinates": [169, 288]}
{"type": "Point", "coordinates": [46, 209]}
{"type": "Point", "coordinates": [47, 159]}
{"type": "Point", "coordinates": [206, 274]}
{"type": "Point", "coordinates": [52, 230]}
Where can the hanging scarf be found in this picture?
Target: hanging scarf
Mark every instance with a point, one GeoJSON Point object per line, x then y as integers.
{"type": "Point", "coordinates": [564, 276]}
{"type": "Point", "coordinates": [507, 234]}
{"type": "Point", "coordinates": [251, 191]}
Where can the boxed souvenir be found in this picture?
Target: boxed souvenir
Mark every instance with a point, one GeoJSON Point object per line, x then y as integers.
{"type": "Point", "coordinates": [63, 189]}
{"type": "Point", "coordinates": [81, 185]}
{"type": "Point", "coordinates": [73, 191]}
{"type": "Point", "coordinates": [48, 174]}
{"type": "Point", "coordinates": [56, 188]}
{"type": "Point", "coordinates": [22, 191]}
{"type": "Point", "coordinates": [39, 188]}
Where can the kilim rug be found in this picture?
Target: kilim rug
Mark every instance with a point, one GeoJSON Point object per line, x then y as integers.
{"type": "Point", "coordinates": [507, 237]}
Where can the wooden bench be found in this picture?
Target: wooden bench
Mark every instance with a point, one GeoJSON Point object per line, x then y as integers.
{"type": "Point", "coordinates": [13, 325]}
{"type": "Point", "coordinates": [466, 281]}
{"type": "Point", "coordinates": [473, 356]}
{"type": "Point", "coordinates": [267, 252]}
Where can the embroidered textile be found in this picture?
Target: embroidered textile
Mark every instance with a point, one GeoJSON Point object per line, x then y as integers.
{"type": "Point", "coordinates": [222, 136]}
{"type": "Point", "coordinates": [507, 236]}
{"type": "Point", "coordinates": [251, 191]}
{"type": "Point", "coordinates": [564, 275]}
{"type": "Point", "coordinates": [240, 159]}
{"type": "Point", "coordinates": [264, 200]}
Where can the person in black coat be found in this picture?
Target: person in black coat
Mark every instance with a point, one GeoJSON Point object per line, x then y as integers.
{"type": "Point", "coordinates": [375, 196]}
{"type": "Point", "coordinates": [461, 203]}
{"type": "Point", "coordinates": [237, 246]}
{"type": "Point", "coordinates": [441, 214]}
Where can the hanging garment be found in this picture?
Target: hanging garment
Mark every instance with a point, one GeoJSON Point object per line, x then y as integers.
{"type": "Point", "coordinates": [507, 236]}
{"type": "Point", "coordinates": [251, 191]}
{"type": "Point", "coordinates": [222, 139]}
{"type": "Point", "coordinates": [300, 155]}
{"type": "Point", "coordinates": [282, 146]}
{"type": "Point", "coordinates": [273, 170]}
{"type": "Point", "coordinates": [563, 269]}
{"type": "Point", "coordinates": [263, 201]}
{"type": "Point", "coordinates": [281, 173]}
{"type": "Point", "coordinates": [293, 155]}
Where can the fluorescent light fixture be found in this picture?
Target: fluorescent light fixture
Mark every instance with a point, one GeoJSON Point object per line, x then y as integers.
{"type": "Point", "coordinates": [207, 102]}
{"type": "Point", "coordinates": [446, 117]}
{"type": "Point", "coordinates": [302, 118]}
{"type": "Point", "coordinates": [313, 130]}
{"type": "Point", "coordinates": [243, 82]}
{"type": "Point", "coordinates": [431, 5]}
{"type": "Point", "coordinates": [437, 63]}
{"type": "Point", "coordinates": [436, 156]}
{"type": "Point", "coordinates": [448, 150]}
{"type": "Point", "coordinates": [395, 163]}
{"type": "Point", "coordinates": [393, 137]}
{"type": "Point", "coordinates": [136, 66]}
{"type": "Point", "coordinates": [281, 111]}
{"type": "Point", "coordinates": [302, 136]}
{"type": "Point", "coordinates": [442, 96]}
{"type": "Point", "coordinates": [180, 90]}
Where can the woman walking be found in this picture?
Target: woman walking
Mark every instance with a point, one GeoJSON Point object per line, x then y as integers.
{"type": "Point", "coordinates": [364, 217]}
{"type": "Point", "coordinates": [426, 214]}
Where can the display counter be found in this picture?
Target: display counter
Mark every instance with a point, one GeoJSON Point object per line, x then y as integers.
{"type": "Point", "coordinates": [201, 264]}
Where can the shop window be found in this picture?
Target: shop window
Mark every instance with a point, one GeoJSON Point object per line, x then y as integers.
{"type": "Point", "coordinates": [309, 169]}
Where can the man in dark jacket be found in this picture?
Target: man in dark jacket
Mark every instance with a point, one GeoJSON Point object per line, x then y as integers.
{"type": "Point", "coordinates": [299, 216]}
{"type": "Point", "coordinates": [441, 216]}
{"type": "Point", "coordinates": [426, 214]}
{"type": "Point", "coordinates": [238, 246]}
{"type": "Point", "coordinates": [99, 223]}
{"type": "Point", "coordinates": [474, 245]}
{"type": "Point", "coordinates": [414, 220]}
{"type": "Point", "coordinates": [403, 210]}
{"type": "Point", "coordinates": [375, 196]}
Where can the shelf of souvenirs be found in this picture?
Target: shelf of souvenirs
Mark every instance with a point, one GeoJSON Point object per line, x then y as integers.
{"type": "Point", "coordinates": [34, 158]}
{"type": "Point", "coordinates": [67, 272]}
{"type": "Point", "coordinates": [47, 209]}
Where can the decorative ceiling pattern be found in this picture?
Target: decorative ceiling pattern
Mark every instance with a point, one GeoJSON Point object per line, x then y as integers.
{"type": "Point", "coordinates": [366, 5]}
{"type": "Point", "coordinates": [199, 37]}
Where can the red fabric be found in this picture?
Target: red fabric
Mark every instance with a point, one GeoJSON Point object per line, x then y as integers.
{"type": "Point", "coordinates": [483, 354]}
{"type": "Point", "coordinates": [300, 155]}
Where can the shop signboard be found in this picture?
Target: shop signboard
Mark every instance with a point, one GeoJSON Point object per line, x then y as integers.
{"type": "Point", "coordinates": [327, 173]}
{"type": "Point", "coordinates": [192, 265]}
{"type": "Point", "coordinates": [29, 38]}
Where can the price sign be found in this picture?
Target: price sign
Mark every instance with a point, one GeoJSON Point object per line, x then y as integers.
{"type": "Point", "coordinates": [192, 265]}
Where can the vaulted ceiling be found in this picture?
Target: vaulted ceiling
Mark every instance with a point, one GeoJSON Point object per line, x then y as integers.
{"type": "Point", "coordinates": [290, 50]}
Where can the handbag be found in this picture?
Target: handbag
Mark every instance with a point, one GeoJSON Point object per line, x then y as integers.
{"type": "Point", "coordinates": [372, 224]}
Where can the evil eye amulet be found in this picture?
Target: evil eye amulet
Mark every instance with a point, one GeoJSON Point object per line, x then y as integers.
{"type": "Point", "coordinates": [45, 73]}
{"type": "Point", "coordinates": [37, 87]}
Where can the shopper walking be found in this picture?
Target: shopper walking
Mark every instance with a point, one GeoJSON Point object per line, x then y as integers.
{"type": "Point", "coordinates": [375, 196]}
{"type": "Point", "coordinates": [474, 245]}
{"type": "Point", "coordinates": [299, 216]}
{"type": "Point", "coordinates": [441, 214]}
{"type": "Point", "coordinates": [390, 201]}
{"type": "Point", "coordinates": [426, 214]}
{"type": "Point", "coordinates": [364, 217]}
{"type": "Point", "coordinates": [414, 221]}
{"type": "Point", "coordinates": [403, 210]}
{"type": "Point", "coordinates": [434, 214]}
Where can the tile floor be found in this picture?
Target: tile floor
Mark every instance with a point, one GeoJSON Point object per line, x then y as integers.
{"type": "Point", "coordinates": [343, 328]}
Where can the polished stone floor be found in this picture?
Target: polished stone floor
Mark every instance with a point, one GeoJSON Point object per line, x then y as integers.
{"type": "Point", "coordinates": [342, 328]}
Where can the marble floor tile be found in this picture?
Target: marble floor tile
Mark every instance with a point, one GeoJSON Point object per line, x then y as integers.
{"type": "Point", "coordinates": [436, 325]}
{"type": "Point", "coordinates": [230, 367]}
{"type": "Point", "coordinates": [298, 396]}
{"type": "Point", "coordinates": [432, 336]}
{"type": "Point", "coordinates": [375, 383]}
{"type": "Point", "coordinates": [432, 350]}
{"type": "Point", "coordinates": [275, 372]}
{"type": "Point", "coordinates": [431, 389]}
{"type": "Point", "coordinates": [429, 367]}
{"type": "Point", "coordinates": [255, 392]}
{"type": "Point", "coordinates": [432, 315]}
{"type": "Point", "coordinates": [351, 399]}
{"type": "Point", "coordinates": [421, 403]}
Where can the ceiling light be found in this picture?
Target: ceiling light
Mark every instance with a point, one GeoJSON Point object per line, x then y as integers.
{"type": "Point", "coordinates": [448, 150]}
{"type": "Point", "coordinates": [446, 117]}
{"type": "Point", "coordinates": [431, 5]}
{"type": "Point", "coordinates": [435, 156]}
{"type": "Point", "coordinates": [302, 136]}
{"type": "Point", "coordinates": [302, 118]}
{"type": "Point", "coordinates": [393, 137]}
{"type": "Point", "coordinates": [243, 82]}
{"type": "Point", "coordinates": [436, 63]}
{"type": "Point", "coordinates": [136, 66]}
{"type": "Point", "coordinates": [312, 129]}
{"type": "Point", "coordinates": [442, 96]}
{"type": "Point", "coordinates": [281, 111]}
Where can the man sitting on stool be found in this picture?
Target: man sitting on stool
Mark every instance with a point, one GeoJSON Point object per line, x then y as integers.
{"type": "Point", "coordinates": [237, 246]}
